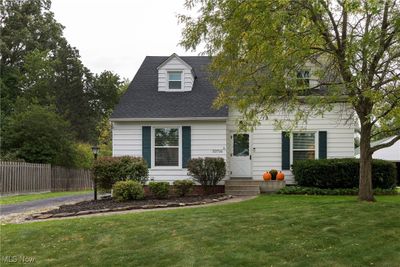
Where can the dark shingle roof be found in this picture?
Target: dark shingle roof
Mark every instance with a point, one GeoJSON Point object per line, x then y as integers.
{"type": "Point", "coordinates": [142, 99]}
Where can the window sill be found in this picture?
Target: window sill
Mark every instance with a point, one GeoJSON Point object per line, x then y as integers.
{"type": "Point", "coordinates": [166, 168]}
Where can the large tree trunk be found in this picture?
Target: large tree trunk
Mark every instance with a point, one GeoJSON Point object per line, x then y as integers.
{"type": "Point", "coordinates": [365, 192]}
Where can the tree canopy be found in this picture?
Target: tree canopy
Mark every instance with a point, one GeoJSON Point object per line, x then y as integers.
{"type": "Point", "coordinates": [260, 47]}
{"type": "Point", "coordinates": [39, 65]}
{"type": "Point", "coordinates": [36, 134]}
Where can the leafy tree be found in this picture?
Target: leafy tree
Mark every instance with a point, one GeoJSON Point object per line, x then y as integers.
{"type": "Point", "coordinates": [39, 135]}
{"type": "Point", "coordinates": [260, 47]}
{"type": "Point", "coordinates": [25, 26]}
{"type": "Point", "coordinates": [83, 156]}
{"type": "Point", "coordinates": [35, 82]}
{"type": "Point", "coordinates": [38, 64]}
{"type": "Point", "coordinates": [106, 90]}
{"type": "Point", "coordinates": [72, 86]}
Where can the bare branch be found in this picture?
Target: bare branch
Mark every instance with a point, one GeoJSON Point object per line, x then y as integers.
{"type": "Point", "coordinates": [390, 131]}
{"type": "Point", "coordinates": [388, 144]}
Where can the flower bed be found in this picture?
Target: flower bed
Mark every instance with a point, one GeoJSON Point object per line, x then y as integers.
{"type": "Point", "coordinates": [110, 205]}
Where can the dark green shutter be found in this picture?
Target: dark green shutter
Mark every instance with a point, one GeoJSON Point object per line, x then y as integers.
{"type": "Point", "coordinates": [186, 145]}
{"type": "Point", "coordinates": [322, 147]}
{"type": "Point", "coordinates": [146, 144]}
{"type": "Point", "coordinates": [285, 151]}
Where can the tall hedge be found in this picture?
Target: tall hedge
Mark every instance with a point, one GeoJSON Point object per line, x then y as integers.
{"type": "Point", "coordinates": [342, 173]}
{"type": "Point", "coordinates": [109, 170]}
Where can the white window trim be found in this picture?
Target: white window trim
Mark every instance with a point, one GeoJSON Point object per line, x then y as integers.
{"type": "Point", "coordinates": [153, 147]}
{"type": "Point", "coordinates": [182, 80]}
{"type": "Point", "coordinates": [316, 143]}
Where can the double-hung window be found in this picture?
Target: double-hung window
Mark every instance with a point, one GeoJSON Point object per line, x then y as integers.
{"type": "Point", "coordinates": [303, 78]}
{"type": "Point", "coordinates": [166, 147]}
{"type": "Point", "coordinates": [175, 80]}
{"type": "Point", "coordinates": [303, 146]}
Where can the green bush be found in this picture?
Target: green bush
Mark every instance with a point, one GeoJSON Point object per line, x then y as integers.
{"type": "Point", "coordinates": [109, 170]}
{"type": "Point", "coordinates": [207, 171]}
{"type": "Point", "coordinates": [300, 190]}
{"type": "Point", "coordinates": [159, 189]}
{"type": "Point", "coordinates": [83, 156]}
{"type": "Point", "coordinates": [342, 173]}
{"type": "Point", "coordinates": [183, 187]}
{"type": "Point", "coordinates": [38, 134]}
{"type": "Point", "coordinates": [128, 190]}
{"type": "Point", "coordinates": [273, 173]}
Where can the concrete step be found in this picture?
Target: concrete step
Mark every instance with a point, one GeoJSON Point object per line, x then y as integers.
{"type": "Point", "coordinates": [242, 187]}
{"type": "Point", "coordinates": [242, 182]}
{"type": "Point", "coordinates": [240, 192]}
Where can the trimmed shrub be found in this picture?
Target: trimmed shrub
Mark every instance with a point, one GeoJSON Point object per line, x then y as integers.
{"type": "Point", "coordinates": [159, 189]}
{"type": "Point", "coordinates": [128, 190]}
{"type": "Point", "coordinates": [183, 187]}
{"type": "Point", "coordinates": [207, 171]}
{"type": "Point", "coordinates": [299, 190]}
{"type": "Point", "coordinates": [109, 170]}
{"type": "Point", "coordinates": [342, 173]}
{"type": "Point", "coordinates": [273, 173]}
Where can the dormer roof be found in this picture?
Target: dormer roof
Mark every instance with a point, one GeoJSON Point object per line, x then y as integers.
{"type": "Point", "coordinates": [143, 100]}
{"type": "Point", "coordinates": [174, 55]}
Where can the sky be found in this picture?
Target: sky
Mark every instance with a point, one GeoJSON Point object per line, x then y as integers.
{"type": "Point", "coordinates": [116, 35]}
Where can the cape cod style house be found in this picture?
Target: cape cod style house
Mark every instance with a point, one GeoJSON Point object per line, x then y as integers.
{"type": "Point", "coordinates": [166, 116]}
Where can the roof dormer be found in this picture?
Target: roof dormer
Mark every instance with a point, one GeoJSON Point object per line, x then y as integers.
{"type": "Point", "coordinates": [175, 75]}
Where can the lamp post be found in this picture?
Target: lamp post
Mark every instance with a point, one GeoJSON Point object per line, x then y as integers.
{"type": "Point", "coordinates": [95, 150]}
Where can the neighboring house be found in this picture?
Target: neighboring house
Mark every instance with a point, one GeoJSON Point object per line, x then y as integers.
{"type": "Point", "coordinates": [391, 153]}
{"type": "Point", "coordinates": [166, 116]}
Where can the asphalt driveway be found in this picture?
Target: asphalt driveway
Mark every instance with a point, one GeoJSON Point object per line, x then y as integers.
{"type": "Point", "coordinates": [41, 204]}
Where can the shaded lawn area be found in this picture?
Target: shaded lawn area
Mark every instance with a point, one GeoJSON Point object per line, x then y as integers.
{"type": "Point", "coordinates": [31, 197]}
{"type": "Point", "coordinates": [273, 230]}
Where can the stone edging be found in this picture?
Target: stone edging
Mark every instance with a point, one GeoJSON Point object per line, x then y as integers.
{"type": "Point", "coordinates": [45, 215]}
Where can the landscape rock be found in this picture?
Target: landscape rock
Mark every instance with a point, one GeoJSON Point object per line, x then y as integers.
{"type": "Point", "coordinates": [84, 212]}
{"type": "Point", "coordinates": [173, 204]}
{"type": "Point", "coordinates": [102, 210]}
{"type": "Point", "coordinates": [149, 206]}
{"type": "Point", "coordinates": [45, 216]}
{"type": "Point", "coordinates": [162, 206]}
{"type": "Point", "coordinates": [64, 214]}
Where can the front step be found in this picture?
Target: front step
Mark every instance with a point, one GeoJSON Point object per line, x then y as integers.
{"type": "Point", "coordinates": [242, 187]}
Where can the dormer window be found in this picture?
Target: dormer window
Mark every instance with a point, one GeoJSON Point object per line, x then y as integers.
{"type": "Point", "coordinates": [175, 75]}
{"type": "Point", "coordinates": [175, 80]}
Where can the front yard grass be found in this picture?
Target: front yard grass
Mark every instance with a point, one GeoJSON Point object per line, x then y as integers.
{"type": "Point", "coordinates": [30, 197]}
{"type": "Point", "coordinates": [270, 230]}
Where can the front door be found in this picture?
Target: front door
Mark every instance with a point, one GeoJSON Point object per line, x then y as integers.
{"type": "Point", "coordinates": [240, 164]}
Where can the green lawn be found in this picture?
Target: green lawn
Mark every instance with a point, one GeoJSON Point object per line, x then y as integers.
{"type": "Point", "coordinates": [271, 230]}
{"type": "Point", "coordinates": [30, 197]}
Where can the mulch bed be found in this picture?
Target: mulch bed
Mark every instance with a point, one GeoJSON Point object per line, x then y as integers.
{"type": "Point", "coordinates": [110, 205]}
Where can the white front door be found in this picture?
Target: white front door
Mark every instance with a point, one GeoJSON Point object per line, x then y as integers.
{"type": "Point", "coordinates": [240, 164]}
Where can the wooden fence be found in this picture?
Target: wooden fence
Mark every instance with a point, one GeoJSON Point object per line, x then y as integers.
{"type": "Point", "coordinates": [64, 179]}
{"type": "Point", "coordinates": [22, 177]}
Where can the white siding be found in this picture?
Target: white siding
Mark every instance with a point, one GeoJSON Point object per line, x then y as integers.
{"type": "Point", "coordinates": [207, 139]}
{"type": "Point", "coordinates": [175, 64]}
{"type": "Point", "coordinates": [266, 141]}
